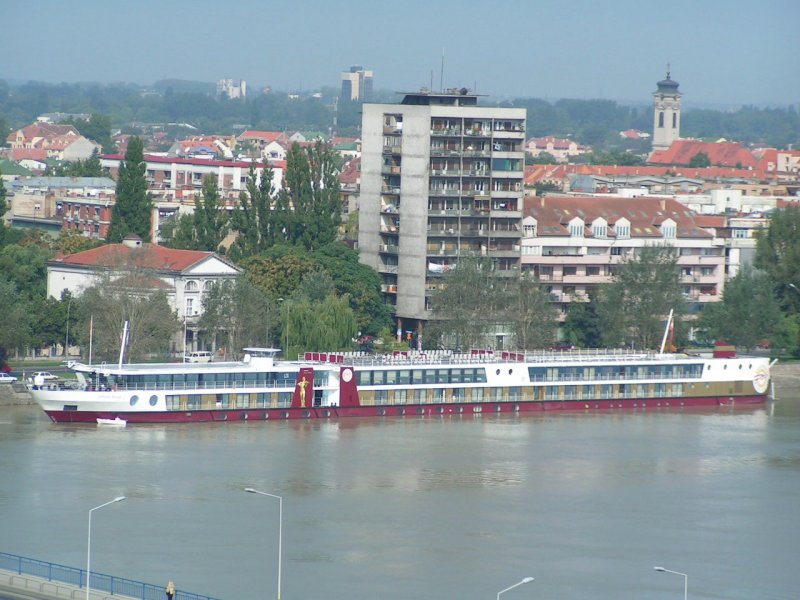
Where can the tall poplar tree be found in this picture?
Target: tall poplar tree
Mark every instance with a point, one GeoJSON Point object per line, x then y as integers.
{"type": "Point", "coordinates": [134, 206]}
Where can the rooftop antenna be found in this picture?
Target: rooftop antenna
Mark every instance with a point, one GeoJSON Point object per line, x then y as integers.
{"type": "Point", "coordinates": [441, 75]}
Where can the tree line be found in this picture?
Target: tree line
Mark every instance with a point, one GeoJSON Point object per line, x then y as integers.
{"type": "Point", "coordinates": [590, 122]}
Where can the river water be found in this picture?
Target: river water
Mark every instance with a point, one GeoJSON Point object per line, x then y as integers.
{"type": "Point", "coordinates": [431, 508]}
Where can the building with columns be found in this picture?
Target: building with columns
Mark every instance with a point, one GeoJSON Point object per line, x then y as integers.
{"type": "Point", "coordinates": [666, 114]}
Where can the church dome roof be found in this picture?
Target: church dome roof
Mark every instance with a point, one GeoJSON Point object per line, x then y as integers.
{"type": "Point", "coordinates": [667, 85]}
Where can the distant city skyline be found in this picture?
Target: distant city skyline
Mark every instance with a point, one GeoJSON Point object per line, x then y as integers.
{"type": "Point", "coordinates": [719, 51]}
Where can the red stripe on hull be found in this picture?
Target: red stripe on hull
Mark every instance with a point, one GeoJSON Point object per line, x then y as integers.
{"type": "Point", "coordinates": [420, 410]}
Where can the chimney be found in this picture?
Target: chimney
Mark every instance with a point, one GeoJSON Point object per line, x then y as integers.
{"type": "Point", "coordinates": [132, 241]}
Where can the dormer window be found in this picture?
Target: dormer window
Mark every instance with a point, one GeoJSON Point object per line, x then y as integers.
{"type": "Point", "coordinates": [600, 228]}
{"type": "Point", "coordinates": [668, 229]}
{"type": "Point", "coordinates": [623, 229]}
{"type": "Point", "coordinates": [576, 227]}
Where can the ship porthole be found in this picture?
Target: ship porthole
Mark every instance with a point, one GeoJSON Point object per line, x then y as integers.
{"type": "Point", "coordinates": [516, 408]}
{"type": "Point", "coordinates": [266, 416]}
{"type": "Point", "coordinates": [381, 411]}
{"type": "Point", "coordinates": [134, 400]}
{"type": "Point", "coordinates": [307, 414]}
{"type": "Point", "coordinates": [586, 406]}
{"type": "Point", "coordinates": [420, 411]}
{"type": "Point", "coordinates": [441, 410]}
{"type": "Point", "coordinates": [286, 415]}
{"type": "Point", "coordinates": [498, 408]}
{"type": "Point", "coordinates": [461, 409]}
{"type": "Point", "coordinates": [402, 411]}
{"type": "Point", "coordinates": [244, 416]}
{"type": "Point", "coordinates": [153, 400]}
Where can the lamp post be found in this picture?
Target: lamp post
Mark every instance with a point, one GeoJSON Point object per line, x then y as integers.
{"type": "Point", "coordinates": [89, 542]}
{"type": "Point", "coordinates": [66, 342]}
{"type": "Point", "coordinates": [280, 529]}
{"type": "Point", "coordinates": [526, 580]}
{"type": "Point", "coordinates": [685, 579]}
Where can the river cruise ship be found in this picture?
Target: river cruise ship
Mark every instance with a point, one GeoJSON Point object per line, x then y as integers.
{"type": "Point", "coordinates": [335, 385]}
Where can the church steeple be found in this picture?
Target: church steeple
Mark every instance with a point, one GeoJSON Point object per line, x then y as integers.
{"type": "Point", "coordinates": [667, 113]}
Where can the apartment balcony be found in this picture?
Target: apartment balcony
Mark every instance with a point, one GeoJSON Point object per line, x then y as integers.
{"type": "Point", "coordinates": [503, 253]}
{"type": "Point", "coordinates": [389, 208]}
{"type": "Point", "coordinates": [498, 174]}
{"type": "Point", "coordinates": [448, 132]}
{"type": "Point", "coordinates": [390, 170]}
{"type": "Point", "coordinates": [390, 190]}
{"type": "Point", "coordinates": [389, 289]}
{"type": "Point", "coordinates": [387, 269]}
{"type": "Point", "coordinates": [480, 132]}
{"type": "Point", "coordinates": [392, 130]}
{"type": "Point", "coordinates": [504, 233]}
{"type": "Point", "coordinates": [502, 213]}
{"type": "Point", "coordinates": [446, 172]}
{"type": "Point", "coordinates": [445, 152]}
{"type": "Point", "coordinates": [477, 153]}
{"type": "Point", "coordinates": [449, 192]}
{"type": "Point", "coordinates": [389, 248]}
{"type": "Point", "coordinates": [444, 232]}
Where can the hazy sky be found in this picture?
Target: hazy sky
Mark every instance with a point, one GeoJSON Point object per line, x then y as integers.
{"type": "Point", "coordinates": [721, 51]}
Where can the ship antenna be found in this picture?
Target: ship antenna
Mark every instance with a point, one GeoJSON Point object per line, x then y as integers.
{"type": "Point", "coordinates": [666, 332]}
{"type": "Point", "coordinates": [122, 344]}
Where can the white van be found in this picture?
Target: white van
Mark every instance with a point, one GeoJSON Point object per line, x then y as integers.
{"type": "Point", "coordinates": [201, 356]}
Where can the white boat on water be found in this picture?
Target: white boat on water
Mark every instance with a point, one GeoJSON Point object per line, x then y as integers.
{"type": "Point", "coordinates": [115, 422]}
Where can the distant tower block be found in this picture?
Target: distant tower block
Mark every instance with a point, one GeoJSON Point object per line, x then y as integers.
{"type": "Point", "coordinates": [357, 84]}
{"type": "Point", "coordinates": [667, 113]}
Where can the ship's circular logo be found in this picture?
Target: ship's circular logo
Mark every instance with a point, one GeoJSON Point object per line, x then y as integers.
{"type": "Point", "coordinates": [347, 375]}
{"type": "Point", "coordinates": [761, 380]}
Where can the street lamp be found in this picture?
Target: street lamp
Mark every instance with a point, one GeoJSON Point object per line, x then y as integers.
{"type": "Point", "coordinates": [526, 580]}
{"type": "Point", "coordinates": [89, 543]}
{"type": "Point", "coordinates": [66, 342]}
{"type": "Point", "coordinates": [685, 580]}
{"type": "Point", "coordinates": [280, 529]}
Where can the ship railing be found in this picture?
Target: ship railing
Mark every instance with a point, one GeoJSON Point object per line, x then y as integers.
{"type": "Point", "coordinates": [100, 582]}
{"type": "Point", "coordinates": [206, 385]}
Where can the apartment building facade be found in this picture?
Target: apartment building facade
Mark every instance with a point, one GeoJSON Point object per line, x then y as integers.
{"type": "Point", "coordinates": [573, 244]}
{"type": "Point", "coordinates": [441, 178]}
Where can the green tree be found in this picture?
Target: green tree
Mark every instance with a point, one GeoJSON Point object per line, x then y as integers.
{"type": "Point", "coordinates": [467, 307]}
{"type": "Point", "coordinates": [71, 241]}
{"type": "Point", "coordinates": [236, 314]}
{"type": "Point", "coordinates": [700, 160]}
{"type": "Point", "coordinates": [3, 195]}
{"type": "Point", "coordinates": [532, 316]}
{"type": "Point", "coordinates": [778, 254]}
{"type": "Point", "coordinates": [748, 313]}
{"type": "Point", "coordinates": [134, 205]}
{"type": "Point", "coordinates": [319, 326]}
{"type": "Point", "coordinates": [583, 326]}
{"type": "Point", "coordinates": [15, 331]}
{"type": "Point", "coordinates": [206, 227]}
{"type": "Point", "coordinates": [311, 192]}
{"type": "Point", "coordinates": [133, 295]}
{"type": "Point", "coordinates": [256, 220]}
{"type": "Point", "coordinates": [644, 289]}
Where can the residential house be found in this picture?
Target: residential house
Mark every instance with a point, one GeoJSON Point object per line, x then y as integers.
{"type": "Point", "coordinates": [574, 243]}
{"type": "Point", "coordinates": [60, 142]}
{"type": "Point", "coordinates": [560, 148]}
{"type": "Point", "coordinates": [185, 275]}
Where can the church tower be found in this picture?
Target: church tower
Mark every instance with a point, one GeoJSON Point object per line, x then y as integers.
{"type": "Point", "coordinates": [667, 113]}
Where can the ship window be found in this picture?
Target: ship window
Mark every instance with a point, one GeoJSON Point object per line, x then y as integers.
{"type": "Point", "coordinates": [378, 377]}
{"type": "Point", "coordinates": [153, 400]}
{"type": "Point", "coordinates": [477, 394]}
{"type": "Point", "coordinates": [134, 400]}
{"type": "Point", "coordinates": [404, 376]}
{"type": "Point", "coordinates": [430, 375]}
{"type": "Point", "coordinates": [514, 394]}
{"type": "Point", "coordinates": [391, 377]}
{"type": "Point", "coordinates": [364, 377]}
{"type": "Point", "coordinates": [442, 376]}
{"type": "Point", "coordinates": [480, 375]}
{"type": "Point", "coordinates": [456, 376]}
{"type": "Point", "coordinates": [458, 394]}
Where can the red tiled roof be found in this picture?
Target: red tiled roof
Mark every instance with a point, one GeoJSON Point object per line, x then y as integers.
{"type": "Point", "coordinates": [536, 173]}
{"type": "Point", "coordinates": [148, 256]}
{"type": "Point", "coordinates": [266, 136]}
{"type": "Point", "coordinates": [351, 172]}
{"type": "Point", "coordinates": [18, 154]}
{"type": "Point", "coordinates": [724, 154]}
{"type": "Point", "coordinates": [645, 215]}
{"type": "Point", "coordinates": [188, 161]}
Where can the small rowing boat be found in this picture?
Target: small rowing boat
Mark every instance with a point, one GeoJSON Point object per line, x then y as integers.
{"type": "Point", "coordinates": [115, 422]}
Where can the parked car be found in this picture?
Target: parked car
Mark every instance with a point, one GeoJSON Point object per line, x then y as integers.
{"type": "Point", "coordinates": [45, 376]}
{"type": "Point", "coordinates": [6, 378]}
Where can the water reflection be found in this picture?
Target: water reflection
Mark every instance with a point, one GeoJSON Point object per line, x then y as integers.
{"type": "Point", "coordinates": [431, 508]}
